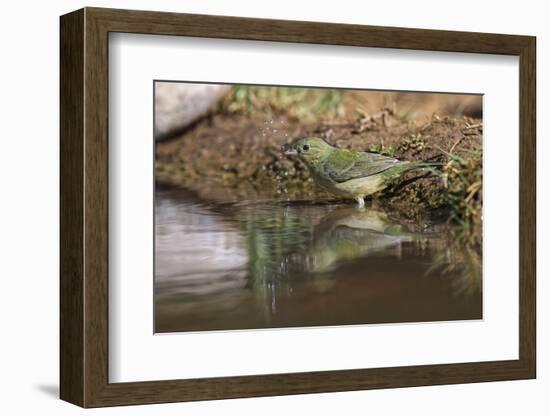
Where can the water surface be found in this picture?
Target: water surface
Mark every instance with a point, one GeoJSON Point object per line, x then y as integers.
{"type": "Point", "coordinates": [265, 264]}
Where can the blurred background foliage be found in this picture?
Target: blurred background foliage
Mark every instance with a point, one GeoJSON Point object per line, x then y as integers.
{"type": "Point", "coordinates": [310, 104]}
{"type": "Point", "coordinates": [298, 103]}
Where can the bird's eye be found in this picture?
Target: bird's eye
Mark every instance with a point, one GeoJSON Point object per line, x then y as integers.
{"type": "Point", "coordinates": [305, 147]}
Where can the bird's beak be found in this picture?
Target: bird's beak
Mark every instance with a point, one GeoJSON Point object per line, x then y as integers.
{"type": "Point", "coordinates": [290, 151]}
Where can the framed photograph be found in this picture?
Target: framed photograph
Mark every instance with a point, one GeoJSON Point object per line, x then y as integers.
{"type": "Point", "coordinates": [264, 207]}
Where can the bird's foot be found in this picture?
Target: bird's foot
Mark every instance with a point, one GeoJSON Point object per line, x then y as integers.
{"type": "Point", "coordinates": [360, 202]}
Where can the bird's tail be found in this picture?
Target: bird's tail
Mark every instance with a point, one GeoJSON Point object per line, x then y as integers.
{"type": "Point", "coordinates": [421, 165]}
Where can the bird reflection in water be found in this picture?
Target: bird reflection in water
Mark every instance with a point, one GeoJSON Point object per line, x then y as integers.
{"type": "Point", "coordinates": [262, 265]}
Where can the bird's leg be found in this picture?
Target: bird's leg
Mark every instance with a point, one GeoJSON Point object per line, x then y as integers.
{"type": "Point", "coordinates": [360, 202]}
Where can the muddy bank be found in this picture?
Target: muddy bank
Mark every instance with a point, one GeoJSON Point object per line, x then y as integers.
{"type": "Point", "coordinates": [231, 157]}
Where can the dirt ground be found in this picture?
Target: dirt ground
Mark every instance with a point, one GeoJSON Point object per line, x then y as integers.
{"type": "Point", "coordinates": [234, 157]}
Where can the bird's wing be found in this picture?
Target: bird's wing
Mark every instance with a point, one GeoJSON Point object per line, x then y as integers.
{"type": "Point", "coordinates": [344, 165]}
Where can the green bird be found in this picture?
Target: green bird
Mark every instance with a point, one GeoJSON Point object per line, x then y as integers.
{"type": "Point", "coordinates": [347, 172]}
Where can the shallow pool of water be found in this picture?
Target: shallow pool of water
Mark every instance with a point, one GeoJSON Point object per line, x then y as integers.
{"type": "Point", "coordinates": [272, 264]}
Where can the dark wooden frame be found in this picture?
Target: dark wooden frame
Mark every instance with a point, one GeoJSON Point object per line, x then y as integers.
{"type": "Point", "coordinates": [84, 208]}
